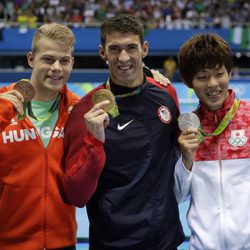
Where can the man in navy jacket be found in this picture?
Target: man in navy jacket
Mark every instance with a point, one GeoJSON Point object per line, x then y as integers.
{"type": "Point", "coordinates": [120, 160]}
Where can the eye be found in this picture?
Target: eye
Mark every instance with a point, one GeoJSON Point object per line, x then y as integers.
{"type": "Point", "coordinates": [202, 77]}
{"type": "Point", "coordinates": [132, 47]}
{"type": "Point", "coordinates": [114, 49]}
{"type": "Point", "coordinates": [220, 74]}
{"type": "Point", "coordinates": [65, 61]}
{"type": "Point", "coordinates": [48, 60]}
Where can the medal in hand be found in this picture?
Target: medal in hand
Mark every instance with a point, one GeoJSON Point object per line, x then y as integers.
{"type": "Point", "coordinates": [188, 120]}
{"type": "Point", "coordinates": [27, 91]}
{"type": "Point", "coordinates": [105, 94]}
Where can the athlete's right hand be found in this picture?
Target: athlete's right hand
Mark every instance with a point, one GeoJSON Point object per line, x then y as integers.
{"type": "Point", "coordinates": [97, 120]}
{"type": "Point", "coordinates": [188, 142]}
{"type": "Point", "coordinates": [15, 98]}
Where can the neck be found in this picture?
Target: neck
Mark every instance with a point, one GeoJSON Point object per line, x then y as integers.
{"type": "Point", "coordinates": [44, 95]}
{"type": "Point", "coordinates": [45, 98]}
{"type": "Point", "coordinates": [118, 89]}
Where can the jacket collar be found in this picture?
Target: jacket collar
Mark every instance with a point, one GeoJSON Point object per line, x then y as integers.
{"type": "Point", "coordinates": [68, 98]}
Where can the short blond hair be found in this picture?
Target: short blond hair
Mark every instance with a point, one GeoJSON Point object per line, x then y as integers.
{"type": "Point", "coordinates": [56, 32]}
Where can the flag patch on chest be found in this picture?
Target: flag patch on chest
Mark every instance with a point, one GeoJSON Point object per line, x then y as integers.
{"type": "Point", "coordinates": [164, 114]}
{"type": "Point", "coordinates": [238, 138]}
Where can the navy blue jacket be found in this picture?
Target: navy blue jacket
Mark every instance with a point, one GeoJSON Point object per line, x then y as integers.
{"type": "Point", "coordinates": [133, 206]}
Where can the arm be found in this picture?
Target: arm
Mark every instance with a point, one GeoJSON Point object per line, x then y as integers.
{"type": "Point", "coordinates": [182, 181]}
{"type": "Point", "coordinates": [188, 142]}
{"type": "Point", "coordinates": [85, 156]}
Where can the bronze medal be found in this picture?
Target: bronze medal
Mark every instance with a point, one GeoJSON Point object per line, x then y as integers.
{"type": "Point", "coordinates": [26, 90]}
{"type": "Point", "coordinates": [102, 95]}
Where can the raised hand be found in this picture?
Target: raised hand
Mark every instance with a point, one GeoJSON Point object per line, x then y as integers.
{"type": "Point", "coordinates": [163, 80]}
{"type": "Point", "coordinates": [188, 141]}
{"type": "Point", "coordinates": [97, 120]}
{"type": "Point", "coordinates": [15, 98]}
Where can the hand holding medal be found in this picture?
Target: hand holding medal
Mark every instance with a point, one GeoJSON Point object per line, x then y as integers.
{"type": "Point", "coordinates": [105, 94]}
{"type": "Point", "coordinates": [27, 91]}
{"type": "Point", "coordinates": [190, 120]}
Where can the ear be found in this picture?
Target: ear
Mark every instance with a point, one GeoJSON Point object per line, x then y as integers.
{"type": "Point", "coordinates": [145, 47]}
{"type": "Point", "coordinates": [30, 59]}
{"type": "Point", "coordinates": [102, 53]}
{"type": "Point", "coordinates": [230, 75]}
{"type": "Point", "coordinates": [73, 61]}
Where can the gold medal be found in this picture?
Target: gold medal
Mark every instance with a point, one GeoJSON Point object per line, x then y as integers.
{"type": "Point", "coordinates": [105, 94]}
{"type": "Point", "coordinates": [26, 90]}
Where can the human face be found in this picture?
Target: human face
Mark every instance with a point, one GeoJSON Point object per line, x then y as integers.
{"type": "Point", "coordinates": [124, 54]}
{"type": "Point", "coordinates": [211, 87]}
{"type": "Point", "coordinates": [51, 67]}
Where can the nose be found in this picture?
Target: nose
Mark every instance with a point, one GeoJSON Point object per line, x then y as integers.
{"type": "Point", "coordinates": [124, 56]}
{"type": "Point", "coordinates": [56, 66]}
{"type": "Point", "coordinates": [212, 81]}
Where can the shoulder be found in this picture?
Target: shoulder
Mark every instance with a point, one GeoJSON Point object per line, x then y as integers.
{"type": "Point", "coordinates": [245, 104]}
{"type": "Point", "coordinates": [170, 89]}
{"type": "Point", "coordinates": [7, 88]}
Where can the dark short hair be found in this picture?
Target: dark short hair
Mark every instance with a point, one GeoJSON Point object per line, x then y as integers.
{"type": "Point", "coordinates": [123, 23]}
{"type": "Point", "coordinates": [205, 50]}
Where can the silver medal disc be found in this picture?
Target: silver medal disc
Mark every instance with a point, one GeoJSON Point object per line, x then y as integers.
{"type": "Point", "coordinates": [188, 120]}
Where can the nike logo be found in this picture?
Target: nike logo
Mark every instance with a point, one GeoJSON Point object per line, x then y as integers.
{"type": "Point", "coordinates": [119, 127]}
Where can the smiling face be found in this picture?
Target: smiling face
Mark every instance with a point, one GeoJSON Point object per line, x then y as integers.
{"type": "Point", "coordinates": [211, 87]}
{"type": "Point", "coordinates": [51, 67]}
{"type": "Point", "coordinates": [124, 54]}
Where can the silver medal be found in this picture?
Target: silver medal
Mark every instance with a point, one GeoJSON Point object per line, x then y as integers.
{"type": "Point", "coordinates": [188, 120]}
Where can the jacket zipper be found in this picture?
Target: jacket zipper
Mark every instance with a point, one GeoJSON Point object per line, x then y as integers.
{"type": "Point", "coordinates": [222, 207]}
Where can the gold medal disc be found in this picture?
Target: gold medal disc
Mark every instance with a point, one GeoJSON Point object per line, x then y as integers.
{"type": "Point", "coordinates": [102, 95]}
{"type": "Point", "coordinates": [26, 90]}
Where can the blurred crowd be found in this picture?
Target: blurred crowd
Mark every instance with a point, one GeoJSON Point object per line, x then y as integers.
{"type": "Point", "coordinates": [163, 14]}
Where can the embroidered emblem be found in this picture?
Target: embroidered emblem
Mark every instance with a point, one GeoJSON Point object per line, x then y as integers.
{"type": "Point", "coordinates": [238, 138]}
{"type": "Point", "coordinates": [13, 122]}
{"type": "Point", "coordinates": [164, 114]}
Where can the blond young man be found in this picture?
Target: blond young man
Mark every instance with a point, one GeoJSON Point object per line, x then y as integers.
{"type": "Point", "coordinates": [33, 214]}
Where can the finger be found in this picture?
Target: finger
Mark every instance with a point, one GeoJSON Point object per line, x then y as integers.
{"type": "Point", "coordinates": [19, 109]}
{"type": "Point", "coordinates": [160, 78]}
{"type": "Point", "coordinates": [94, 113]}
{"type": "Point", "coordinates": [106, 121]}
{"type": "Point", "coordinates": [100, 105]}
{"type": "Point", "coordinates": [17, 94]}
{"type": "Point", "coordinates": [190, 131]}
{"type": "Point", "coordinates": [12, 96]}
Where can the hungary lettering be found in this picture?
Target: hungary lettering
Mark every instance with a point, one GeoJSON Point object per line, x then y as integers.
{"type": "Point", "coordinates": [12, 136]}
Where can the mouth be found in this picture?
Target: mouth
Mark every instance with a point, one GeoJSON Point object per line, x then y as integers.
{"type": "Point", "coordinates": [213, 94]}
{"type": "Point", "coordinates": [55, 78]}
{"type": "Point", "coordinates": [125, 68]}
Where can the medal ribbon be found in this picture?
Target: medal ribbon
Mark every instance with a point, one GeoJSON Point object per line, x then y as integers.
{"type": "Point", "coordinates": [114, 111]}
{"type": "Point", "coordinates": [135, 92]}
{"type": "Point", "coordinates": [223, 124]}
{"type": "Point", "coordinates": [52, 109]}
